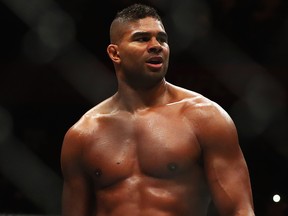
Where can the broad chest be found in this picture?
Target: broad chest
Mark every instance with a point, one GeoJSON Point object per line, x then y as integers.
{"type": "Point", "coordinates": [159, 145]}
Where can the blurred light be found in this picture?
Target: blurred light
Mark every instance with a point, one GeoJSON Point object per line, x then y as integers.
{"type": "Point", "coordinates": [26, 170]}
{"type": "Point", "coordinates": [276, 198]}
{"type": "Point", "coordinates": [265, 97]}
{"type": "Point", "coordinates": [55, 32]}
{"type": "Point", "coordinates": [56, 28]}
{"type": "Point", "coordinates": [30, 175]}
{"type": "Point", "coordinates": [190, 21]}
{"type": "Point", "coordinates": [35, 50]}
{"type": "Point", "coordinates": [29, 12]}
{"type": "Point", "coordinates": [87, 74]}
{"type": "Point", "coordinates": [52, 29]}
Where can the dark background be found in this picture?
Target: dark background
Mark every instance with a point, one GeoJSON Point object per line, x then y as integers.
{"type": "Point", "coordinates": [54, 67]}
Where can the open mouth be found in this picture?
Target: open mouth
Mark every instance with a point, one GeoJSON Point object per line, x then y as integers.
{"type": "Point", "coordinates": [155, 60]}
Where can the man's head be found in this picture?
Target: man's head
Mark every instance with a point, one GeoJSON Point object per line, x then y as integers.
{"type": "Point", "coordinates": [139, 46]}
{"type": "Point", "coordinates": [132, 13]}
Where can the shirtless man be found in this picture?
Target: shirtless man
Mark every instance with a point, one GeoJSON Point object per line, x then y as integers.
{"type": "Point", "coordinates": [152, 149]}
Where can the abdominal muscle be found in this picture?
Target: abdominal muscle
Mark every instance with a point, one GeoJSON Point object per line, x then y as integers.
{"type": "Point", "coordinates": [146, 196]}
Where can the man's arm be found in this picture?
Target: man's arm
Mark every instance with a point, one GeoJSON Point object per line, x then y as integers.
{"type": "Point", "coordinates": [76, 197]}
{"type": "Point", "coordinates": [225, 166]}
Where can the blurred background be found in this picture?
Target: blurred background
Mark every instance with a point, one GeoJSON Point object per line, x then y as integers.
{"type": "Point", "coordinates": [54, 67]}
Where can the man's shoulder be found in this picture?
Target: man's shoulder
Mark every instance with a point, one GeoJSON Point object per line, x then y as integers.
{"type": "Point", "coordinates": [90, 119]}
{"type": "Point", "coordinates": [205, 113]}
{"type": "Point", "coordinates": [200, 106]}
{"type": "Point", "coordinates": [193, 99]}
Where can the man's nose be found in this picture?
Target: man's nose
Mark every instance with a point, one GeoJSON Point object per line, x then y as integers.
{"type": "Point", "coordinates": [155, 46]}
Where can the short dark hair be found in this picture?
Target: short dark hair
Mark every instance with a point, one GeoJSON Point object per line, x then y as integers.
{"type": "Point", "coordinates": [137, 11]}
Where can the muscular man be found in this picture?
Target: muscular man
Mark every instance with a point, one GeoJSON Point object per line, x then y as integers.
{"type": "Point", "coordinates": [152, 149]}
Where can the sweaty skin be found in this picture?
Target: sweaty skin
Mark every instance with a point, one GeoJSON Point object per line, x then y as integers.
{"type": "Point", "coordinates": [152, 149]}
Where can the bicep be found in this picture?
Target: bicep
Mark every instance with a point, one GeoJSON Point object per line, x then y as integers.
{"type": "Point", "coordinates": [225, 168]}
{"type": "Point", "coordinates": [76, 196]}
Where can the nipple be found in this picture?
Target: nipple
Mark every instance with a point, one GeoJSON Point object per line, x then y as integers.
{"type": "Point", "coordinates": [98, 172]}
{"type": "Point", "coordinates": [172, 166]}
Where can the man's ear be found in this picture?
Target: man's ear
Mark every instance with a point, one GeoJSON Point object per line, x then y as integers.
{"type": "Point", "coordinates": [113, 53]}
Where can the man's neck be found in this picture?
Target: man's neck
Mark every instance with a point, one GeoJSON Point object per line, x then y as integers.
{"type": "Point", "coordinates": [132, 99]}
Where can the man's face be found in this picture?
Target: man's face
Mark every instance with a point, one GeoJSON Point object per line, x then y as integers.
{"type": "Point", "coordinates": [144, 52]}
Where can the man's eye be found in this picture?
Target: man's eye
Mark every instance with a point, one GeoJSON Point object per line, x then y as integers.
{"type": "Point", "coordinates": [162, 40]}
{"type": "Point", "coordinates": [142, 39]}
